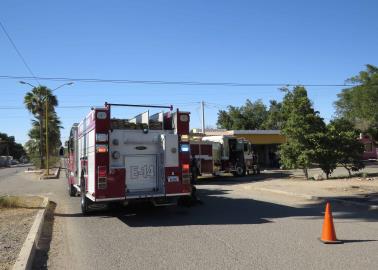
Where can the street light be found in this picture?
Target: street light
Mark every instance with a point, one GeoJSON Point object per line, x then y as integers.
{"type": "Point", "coordinates": [46, 119]}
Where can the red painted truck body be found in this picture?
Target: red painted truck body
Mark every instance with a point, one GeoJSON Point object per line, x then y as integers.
{"type": "Point", "coordinates": [145, 157]}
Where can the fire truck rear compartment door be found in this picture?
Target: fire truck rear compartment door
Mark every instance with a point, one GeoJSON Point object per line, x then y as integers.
{"type": "Point", "coordinates": [170, 149]}
{"type": "Point", "coordinates": [141, 173]}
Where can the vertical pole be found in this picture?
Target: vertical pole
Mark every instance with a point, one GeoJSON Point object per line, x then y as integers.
{"type": "Point", "coordinates": [47, 137]}
{"type": "Point", "coordinates": [8, 158]}
{"type": "Point", "coordinates": [203, 116]}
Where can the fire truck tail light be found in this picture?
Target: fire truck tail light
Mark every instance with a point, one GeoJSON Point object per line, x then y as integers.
{"type": "Point", "coordinates": [101, 148]}
{"type": "Point", "coordinates": [102, 183]}
{"type": "Point", "coordinates": [185, 168]}
{"type": "Point", "coordinates": [101, 137]}
{"type": "Point", "coordinates": [186, 178]}
{"type": "Point", "coordinates": [185, 138]}
{"type": "Point", "coordinates": [102, 172]}
{"type": "Point", "coordinates": [185, 147]}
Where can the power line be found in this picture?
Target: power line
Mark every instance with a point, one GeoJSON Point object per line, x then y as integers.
{"type": "Point", "coordinates": [85, 106]}
{"type": "Point", "coordinates": [161, 82]}
{"type": "Point", "coordinates": [18, 52]}
{"type": "Point", "coordinates": [59, 107]}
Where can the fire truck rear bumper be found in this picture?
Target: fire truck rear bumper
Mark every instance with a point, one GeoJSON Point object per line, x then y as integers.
{"type": "Point", "coordinates": [156, 195]}
{"type": "Point", "coordinates": [178, 194]}
{"type": "Point", "coordinates": [108, 199]}
{"type": "Point", "coordinates": [137, 197]}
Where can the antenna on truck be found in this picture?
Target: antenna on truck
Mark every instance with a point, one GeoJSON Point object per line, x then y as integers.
{"type": "Point", "coordinates": [138, 105]}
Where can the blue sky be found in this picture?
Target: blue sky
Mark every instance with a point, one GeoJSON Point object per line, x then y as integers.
{"type": "Point", "coordinates": [304, 42]}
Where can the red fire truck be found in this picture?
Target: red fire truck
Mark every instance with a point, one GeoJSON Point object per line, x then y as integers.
{"type": "Point", "coordinates": [218, 154]}
{"type": "Point", "coordinates": [146, 157]}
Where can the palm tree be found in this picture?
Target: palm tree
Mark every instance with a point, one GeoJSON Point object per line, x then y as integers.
{"type": "Point", "coordinates": [35, 104]}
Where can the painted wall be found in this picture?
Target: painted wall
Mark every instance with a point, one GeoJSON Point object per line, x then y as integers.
{"type": "Point", "coordinates": [263, 138]}
{"type": "Point", "coordinates": [371, 148]}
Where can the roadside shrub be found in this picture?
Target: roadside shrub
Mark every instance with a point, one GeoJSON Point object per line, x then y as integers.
{"type": "Point", "coordinates": [10, 202]}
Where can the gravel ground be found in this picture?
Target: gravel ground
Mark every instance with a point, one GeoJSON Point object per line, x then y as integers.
{"type": "Point", "coordinates": [15, 224]}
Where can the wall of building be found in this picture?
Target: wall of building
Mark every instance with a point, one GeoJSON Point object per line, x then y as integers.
{"type": "Point", "coordinates": [371, 148]}
{"type": "Point", "coordinates": [266, 147]}
{"type": "Point", "coordinates": [263, 138]}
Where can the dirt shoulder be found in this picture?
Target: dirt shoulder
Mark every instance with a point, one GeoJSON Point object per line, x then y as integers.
{"type": "Point", "coordinates": [15, 224]}
{"type": "Point", "coordinates": [334, 187]}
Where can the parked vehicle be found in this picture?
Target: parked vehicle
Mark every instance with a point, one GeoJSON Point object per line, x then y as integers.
{"type": "Point", "coordinates": [217, 154]}
{"type": "Point", "coordinates": [122, 160]}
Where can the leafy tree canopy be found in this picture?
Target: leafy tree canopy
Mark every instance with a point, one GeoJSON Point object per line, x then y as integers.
{"type": "Point", "coordinates": [345, 144]}
{"type": "Point", "coordinates": [252, 115]}
{"type": "Point", "coordinates": [302, 127]}
{"type": "Point", "coordinates": [359, 104]}
{"type": "Point", "coordinates": [8, 144]}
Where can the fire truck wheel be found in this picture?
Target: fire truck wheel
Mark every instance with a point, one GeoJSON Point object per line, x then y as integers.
{"type": "Point", "coordinates": [240, 170]}
{"type": "Point", "coordinates": [71, 190]}
{"type": "Point", "coordinates": [84, 204]}
{"type": "Point", "coordinates": [84, 200]}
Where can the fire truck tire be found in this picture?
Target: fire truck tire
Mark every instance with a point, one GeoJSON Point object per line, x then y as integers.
{"type": "Point", "coordinates": [240, 170]}
{"type": "Point", "coordinates": [84, 205]}
{"type": "Point", "coordinates": [84, 200]}
{"type": "Point", "coordinates": [71, 190]}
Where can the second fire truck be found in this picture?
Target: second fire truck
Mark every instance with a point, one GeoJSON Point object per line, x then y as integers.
{"type": "Point", "coordinates": [224, 153]}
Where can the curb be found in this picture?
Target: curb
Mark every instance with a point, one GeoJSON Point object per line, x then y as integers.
{"type": "Point", "coordinates": [324, 199]}
{"type": "Point", "coordinates": [25, 257]}
{"type": "Point", "coordinates": [55, 176]}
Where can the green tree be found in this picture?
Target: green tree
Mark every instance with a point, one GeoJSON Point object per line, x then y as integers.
{"type": "Point", "coordinates": [346, 146]}
{"type": "Point", "coordinates": [359, 104]}
{"type": "Point", "coordinates": [35, 102]}
{"type": "Point", "coordinates": [9, 146]}
{"type": "Point", "coordinates": [275, 119]}
{"type": "Point", "coordinates": [325, 154]}
{"type": "Point", "coordinates": [249, 116]}
{"type": "Point", "coordinates": [224, 120]}
{"type": "Point", "coordinates": [303, 124]}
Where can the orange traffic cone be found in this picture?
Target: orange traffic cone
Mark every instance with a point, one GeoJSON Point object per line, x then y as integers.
{"type": "Point", "coordinates": [328, 233]}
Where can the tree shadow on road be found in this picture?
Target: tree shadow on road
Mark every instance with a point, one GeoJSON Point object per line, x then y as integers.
{"type": "Point", "coordinates": [220, 208]}
{"type": "Point", "coordinates": [217, 209]}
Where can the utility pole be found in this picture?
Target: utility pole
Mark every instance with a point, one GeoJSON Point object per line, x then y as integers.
{"type": "Point", "coordinates": [203, 116]}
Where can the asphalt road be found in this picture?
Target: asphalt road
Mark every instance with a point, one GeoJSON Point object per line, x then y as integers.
{"type": "Point", "coordinates": [233, 229]}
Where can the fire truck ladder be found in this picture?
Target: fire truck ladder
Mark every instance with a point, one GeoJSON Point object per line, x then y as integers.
{"type": "Point", "coordinates": [138, 105]}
